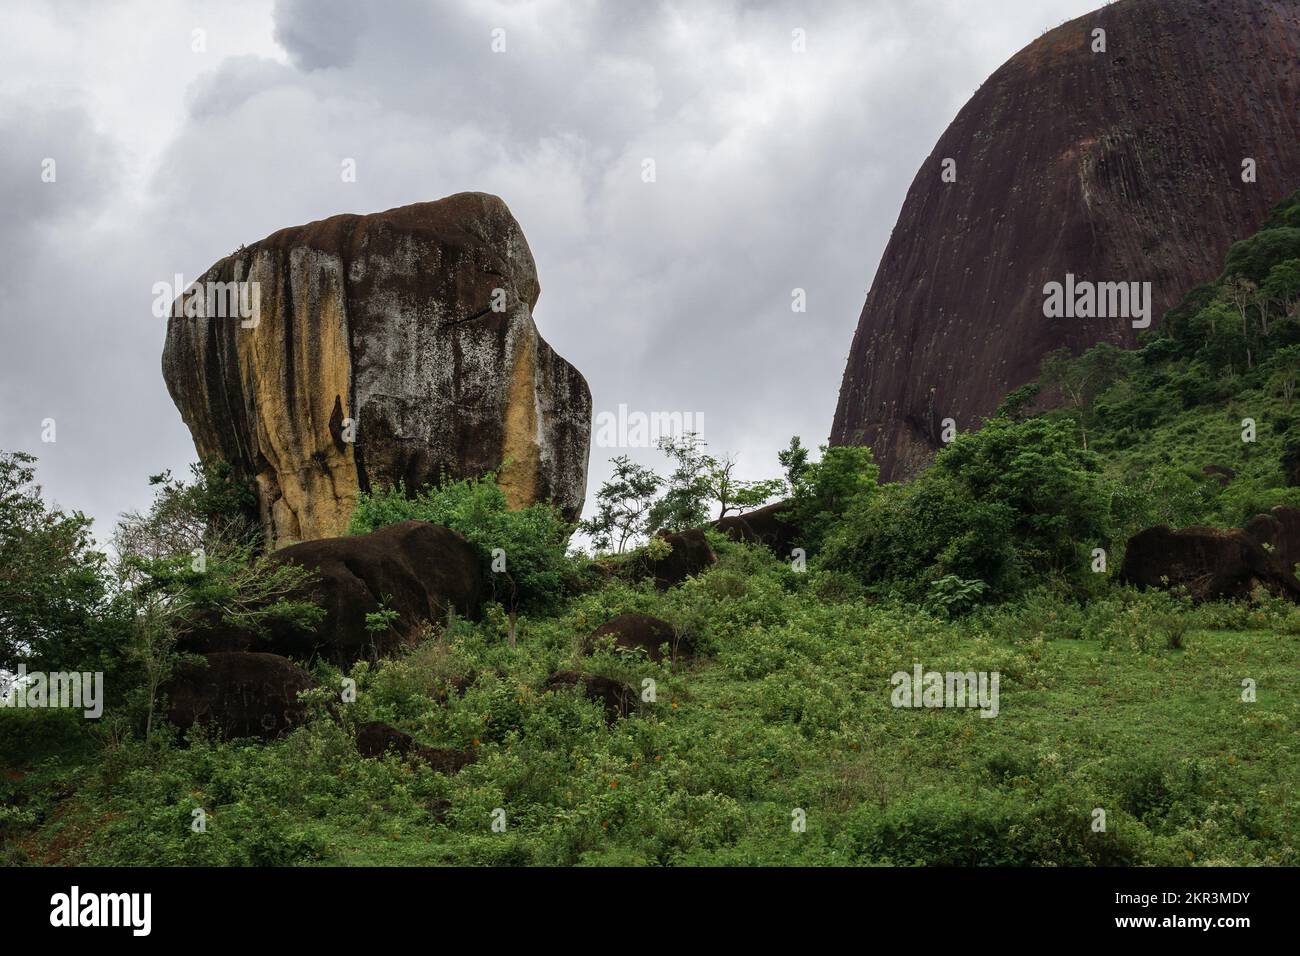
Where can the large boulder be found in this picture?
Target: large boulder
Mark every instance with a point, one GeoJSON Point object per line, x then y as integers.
{"type": "Point", "coordinates": [1122, 166]}
{"type": "Point", "coordinates": [398, 346]}
{"type": "Point", "coordinates": [1211, 563]}
{"type": "Point", "coordinates": [768, 526]}
{"type": "Point", "coordinates": [641, 632]}
{"type": "Point", "coordinates": [239, 694]}
{"type": "Point", "coordinates": [417, 569]}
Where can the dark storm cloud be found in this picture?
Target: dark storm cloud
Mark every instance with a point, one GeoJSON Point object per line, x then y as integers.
{"type": "Point", "coordinates": [320, 33]}
{"type": "Point", "coordinates": [57, 172]}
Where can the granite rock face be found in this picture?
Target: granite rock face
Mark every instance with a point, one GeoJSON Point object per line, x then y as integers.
{"type": "Point", "coordinates": [1122, 166]}
{"type": "Point", "coordinates": [393, 347]}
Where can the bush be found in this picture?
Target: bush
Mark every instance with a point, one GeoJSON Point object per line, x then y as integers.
{"type": "Point", "coordinates": [533, 540]}
{"type": "Point", "coordinates": [821, 492]}
{"type": "Point", "coordinates": [1039, 614]}
{"type": "Point", "coordinates": [1142, 621]}
{"type": "Point", "coordinates": [1010, 504]}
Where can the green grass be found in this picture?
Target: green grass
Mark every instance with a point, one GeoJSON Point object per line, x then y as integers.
{"type": "Point", "coordinates": [787, 706]}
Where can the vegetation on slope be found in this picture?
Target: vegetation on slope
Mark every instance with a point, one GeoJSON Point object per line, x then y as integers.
{"type": "Point", "coordinates": [1131, 703]}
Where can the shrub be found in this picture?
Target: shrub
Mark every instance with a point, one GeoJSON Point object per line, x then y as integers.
{"type": "Point", "coordinates": [1142, 620]}
{"type": "Point", "coordinates": [822, 492]}
{"type": "Point", "coordinates": [1039, 614]}
{"type": "Point", "coordinates": [532, 540]}
{"type": "Point", "coordinates": [1010, 504]}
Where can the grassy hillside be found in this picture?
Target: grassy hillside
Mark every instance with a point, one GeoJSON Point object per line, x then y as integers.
{"type": "Point", "coordinates": [788, 707]}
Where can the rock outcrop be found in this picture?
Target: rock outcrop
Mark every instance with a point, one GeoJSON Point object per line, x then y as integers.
{"type": "Point", "coordinates": [1279, 532]}
{"type": "Point", "coordinates": [768, 525]}
{"type": "Point", "coordinates": [690, 554]}
{"type": "Point", "coordinates": [416, 569]}
{"type": "Point", "coordinates": [239, 694]}
{"type": "Point", "coordinates": [1210, 563]}
{"type": "Point", "coordinates": [393, 347]}
{"type": "Point", "coordinates": [1123, 166]}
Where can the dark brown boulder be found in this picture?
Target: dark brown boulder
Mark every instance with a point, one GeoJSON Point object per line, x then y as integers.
{"type": "Point", "coordinates": [1279, 530]}
{"type": "Point", "coordinates": [1220, 473]}
{"type": "Point", "coordinates": [1211, 563]}
{"type": "Point", "coordinates": [617, 698]}
{"type": "Point", "coordinates": [643, 632]}
{"type": "Point", "coordinates": [414, 568]}
{"type": "Point", "coordinates": [690, 555]}
{"type": "Point", "coordinates": [396, 346]}
{"type": "Point", "coordinates": [1264, 529]}
{"type": "Point", "coordinates": [1122, 166]}
{"type": "Point", "coordinates": [376, 738]}
{"type": "Point", "coordinates": [239, 694]}
{"type": "Point", "coordinates": [767, 526]}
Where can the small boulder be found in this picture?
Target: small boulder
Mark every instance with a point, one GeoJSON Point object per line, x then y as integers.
{"type": "Point", "coordinates": [1211, 563]}
{"type": "Point", "coordinates": [239, 694]}
{"type": "Point", "coordinates": [1220, 473]}
{"type": "Point", "coordinates": [1264, 529]}
{"type": "Point", "coordinates": [376, 738]}
{"type": "Point", "coordinates": [644, 632]}
{"type": "Point", "coordinates": [415, 568]}
{"type": "Point", "coordinates": [618, 699]}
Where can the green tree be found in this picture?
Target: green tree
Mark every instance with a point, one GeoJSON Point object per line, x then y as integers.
{"type": "Point", "coordinates": [1051, 484]}
{"type": "Point", "coordinates": [794, 459]}
{"type": "Point", "coordinates": [1018, 402]}
{"type": "Point", "coordinates": [1081, 379]}
{"type": "Point", "coordinates": [1283, 285]}
{"type": "Point", "coordinates": [687, 493]}
{"type": "Point", "coordinates": [735, 494]}
{"type": "Point", "coordinates": [1286, 365]}
{"type": "Point", "coordinates": [56, 610]}
{"type": "Point", "coordinates": [211, 510]}
{"type": "Point", "coordinates": [1008, 504]}
{"type": "Point", "coordinates": [623, 506]}
{"type": "Point", "coordinates": [822, 492]}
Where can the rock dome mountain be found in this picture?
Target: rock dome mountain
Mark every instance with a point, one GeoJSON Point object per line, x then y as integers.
{"type": "Point", "coordinates": [1139, 163]}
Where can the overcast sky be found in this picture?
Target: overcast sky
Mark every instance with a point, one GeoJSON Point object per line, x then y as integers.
{"type": "Point", "coordinates": [775, 170]}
